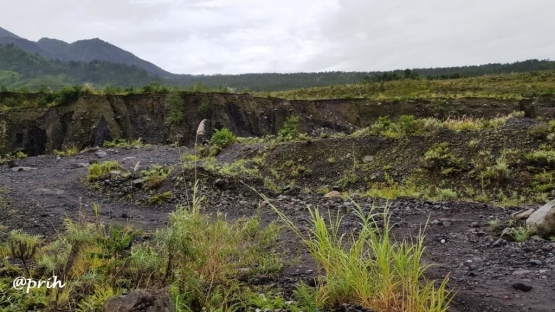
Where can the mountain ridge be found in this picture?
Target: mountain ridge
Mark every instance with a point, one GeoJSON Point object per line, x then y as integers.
{"type": "Point", "coordinates": [86, 50]}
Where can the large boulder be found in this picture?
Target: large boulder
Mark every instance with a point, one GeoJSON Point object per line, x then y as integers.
{"type": "Point", "coordinates": [140, 300]}
{"type": "Point", "coordinates": [543, 220]}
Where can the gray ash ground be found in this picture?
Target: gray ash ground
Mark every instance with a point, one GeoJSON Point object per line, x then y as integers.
{"type": "Point", "coordinates": [486, 273]}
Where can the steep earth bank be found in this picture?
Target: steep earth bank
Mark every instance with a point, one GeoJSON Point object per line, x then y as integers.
{"type": "Point", "coordinates": [91, 119]}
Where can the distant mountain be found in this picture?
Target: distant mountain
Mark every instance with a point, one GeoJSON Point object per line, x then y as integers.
{"type": "Point", "coordinates": [80, 51]}
{"type": "Point", "coordinates": [5, 33]}
{"type": "Point", "coordinates": [19, 68]}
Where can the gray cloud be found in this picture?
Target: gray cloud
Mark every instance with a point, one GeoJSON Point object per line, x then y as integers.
{"type": "Point", "coordinates": [240, 36]}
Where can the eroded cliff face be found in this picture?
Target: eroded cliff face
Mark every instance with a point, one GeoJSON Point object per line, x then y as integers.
{"type": "Point", "coordinates": [93, 119]}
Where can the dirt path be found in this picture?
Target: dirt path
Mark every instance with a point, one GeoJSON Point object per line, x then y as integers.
{"type": "Point", "coordinates": [38, 200]}
{"type": "Point", "coordinates": [482, 268]}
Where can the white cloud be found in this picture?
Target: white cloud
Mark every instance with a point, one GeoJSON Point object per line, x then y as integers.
{"type": "Point", "coordinates": [240, 36]}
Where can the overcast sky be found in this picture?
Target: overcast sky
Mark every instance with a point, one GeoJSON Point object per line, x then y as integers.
{"type": "Point", "coordinates": [247, 36]}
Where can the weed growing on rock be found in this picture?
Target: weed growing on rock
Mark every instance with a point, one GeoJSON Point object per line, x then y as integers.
{"type": "Point", "coordinates": [20, 155]}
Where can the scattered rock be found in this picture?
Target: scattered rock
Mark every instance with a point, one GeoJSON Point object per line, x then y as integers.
{"type": "Point", "coordinates": [220, 184]}
{"type": "Point", "coordinates": [17, 169]}
{"type": "Point", "coordinates": [138, 183]}
{"type": "Point", "coordinates": [368, 158]}
{"type": "Point", "coordinates": [78, 165]}
{"type": "Point", "coordinates": [291, 190]}
{"type": "Point", "coordinates": [535, 262]}
{"type": "Point", "coordinates": [543, 220]}
{"type": "Point", "coordinates": [522, 287]}
{"type": "Point", "coordinates": [500, 242]}
{"type": "Point", "coordinates": [336, 188]}
{"type": "Point", "coordinates": [520, 272]}
{"type": "Point", "coordinates": [333, 194]}
{"type": "Point", "coordinates": [45, 191]}
{"type": "Point", "coordinates": [140, 300]}
{"type": "Point", "coordinates": [101, 154]}
{"type": "Point", "coordinates": [11, 163]}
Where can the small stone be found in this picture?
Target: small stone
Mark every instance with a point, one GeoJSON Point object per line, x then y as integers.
{"type": "Point", "coordinates": [11, 164]}
{"type": "Point", "coordinates": [522, 287]}
{"type": "Point", "coordinates": [443, 241]}
{"type": "Point", "coordinates": [368, 158]}
{"type": "Point", "coordinates": [101, 154]}
{"type": "Point", "coordinates": [78, 165]}
{"type": "Point", "coordinates": [535, 262]}
{"type": "Point", "coordinates": [520, 272]}
{"type": "Point", "coordinates": [18, 169]}
{"type": "Point", "coordinates": [138, 183]}
{"type": "Point", "coordinates": [333, 194]}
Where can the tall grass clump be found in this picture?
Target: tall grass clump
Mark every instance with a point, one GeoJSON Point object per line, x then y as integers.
{"type": "Point", "coordinates": [205, 257]}
{"type": "Point", "coordinates": [368, 268]}
{"type": "Point", "coordinates": [102, 170]}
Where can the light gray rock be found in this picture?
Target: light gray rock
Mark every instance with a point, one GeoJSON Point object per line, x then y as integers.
{"type": "Point", "coordinates": [523, 214]}
{"type": "Point", "coordinates": [367, 159]}
{"type": "Point", "coordinates": [542, 221]}
{"type": "Point", "coordinates": [138, 183]}
{"type": "Point", "coordinates": [45, 191]}
{"type": "Point", "coordinates": [521, 272]}
{"type": "Point", "coordinates": [78, 165]}
{"type": "Point", "coordinates": [333, 194]}
{"type": "Point", "coordinates": [101, 154]}
{"type": "Point", "coordinates": [17, 169]}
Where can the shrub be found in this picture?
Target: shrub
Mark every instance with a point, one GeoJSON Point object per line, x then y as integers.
{"type": "Point", "coordinates": [67, 95]}
{"type": "Point", "coordinates": [289, 131]}
{"type": "Point", "coordinates": [155, 176]}
{"type": "Point", "coordinates": [20, 155]}
{"type": "Point", "coordinates": [543, 158]}
{"type": "Point", "coordinates": [440, 156]}
{"type": "Point", "coordinates": [223, 138]}
{"type": "Point", "coordinates": [408, 125]}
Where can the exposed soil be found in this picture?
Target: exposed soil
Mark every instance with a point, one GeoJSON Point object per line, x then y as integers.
{"type": "Point", "coordinates": [482, 269]}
